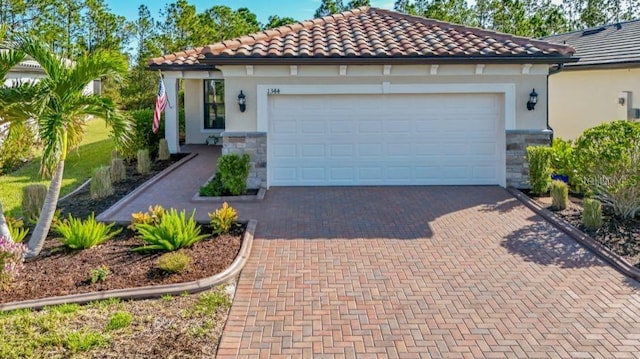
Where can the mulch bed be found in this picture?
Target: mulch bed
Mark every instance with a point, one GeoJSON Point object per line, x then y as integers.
{"type": "Point", "coordinates": [82, 205]}
{"type": "Point", "coordinates": [619, 235]}
{"type": "Point", "coordinates": [59, 271]}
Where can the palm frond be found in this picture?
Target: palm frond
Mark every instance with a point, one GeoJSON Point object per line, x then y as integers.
{"type": "Point", "coordinates": [38, 50]}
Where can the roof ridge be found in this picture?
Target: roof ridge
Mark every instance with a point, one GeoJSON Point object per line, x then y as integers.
{"type": "Point", "coordinates": [285, 29]}
{"type": "Point", "coordinates": [592, 28]}
{"type": "Point", "coordinates": [478, 30]}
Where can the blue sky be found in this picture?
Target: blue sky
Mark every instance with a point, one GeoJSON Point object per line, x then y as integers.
{"type": "Point", "coordinates": [297, 9]}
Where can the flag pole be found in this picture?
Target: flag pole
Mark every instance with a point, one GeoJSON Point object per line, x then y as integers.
{"type": "Point", "coordinates": [162, 79]}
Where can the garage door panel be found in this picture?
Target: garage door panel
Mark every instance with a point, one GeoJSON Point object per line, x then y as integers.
{"type": "Point", "coordinates": [384, 139]}
{"type": "Point", "coordinates": [286, 127]}
{"type": "Point", "coordinates": [314, 150]}
{"type": "Point", "coordinates": [371, 127]}
{"type": "Point", "coordinates": [284, 150]}
{"type": "Point", "coordinates": [342, 150]}
{"type": "Point", "coordinates": [312, 127]}
{"type": "Point", "coordinates": [366, 150]}
{"type": "Point", "coordinates": [342, 174]}
{"type": "Point", "coordinates": [370, 173]}
{"type": "Point", "coordinates": [313, 174]}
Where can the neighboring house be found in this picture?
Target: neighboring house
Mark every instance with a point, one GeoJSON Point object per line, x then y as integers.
{"type": "Point", "coordinates": [31, 71]}
{"type": "Point", "coordinates": [367, 97]}
{"type": "Point", "coordinates": [603, 86]}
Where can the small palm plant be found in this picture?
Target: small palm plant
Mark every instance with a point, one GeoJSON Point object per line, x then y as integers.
{"type": "Point", "coordinates": [172, 232]}
{"type": "Point", "coordinates": [79, 234]}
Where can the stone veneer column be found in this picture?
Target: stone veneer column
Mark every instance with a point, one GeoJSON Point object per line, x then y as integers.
{"type": "Point", "coordinates": [517, 143]}
{"type": "Point", "coordinates": [255, 145]}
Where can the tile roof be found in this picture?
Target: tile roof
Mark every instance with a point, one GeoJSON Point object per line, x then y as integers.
{"type": "Point", "coordinates": [604, 45]}
{"type": "Point", "coordinates": [366, 35]}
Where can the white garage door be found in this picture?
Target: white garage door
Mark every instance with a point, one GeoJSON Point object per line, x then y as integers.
{"type": "Point", "coordinates": [415, 139]}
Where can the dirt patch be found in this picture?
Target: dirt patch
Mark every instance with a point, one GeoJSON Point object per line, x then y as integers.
{"type": "Point", "coordinates": [620, 235]}
{"type": "Point", "coordinates": [82, 205]}
{"type": "Point", "coordinates": [59, 271]}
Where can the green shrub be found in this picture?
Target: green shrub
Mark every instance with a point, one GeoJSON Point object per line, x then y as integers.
{"type": "Point", "coordinates": [16, 229]}
{"type": "Point", "coordinates": [222, 219]}
{"type": "Point", "coordinates": [79, 234]}
{"type": "Point", "coordinates": [172, 232]}
{"type": "Point", "coordinates": [17, 148]}
{"type": "Point", "coordinates": [213, 188]}
{"type": "Point", "coordinates": [234, 171]}
{"type": "Point", "coordinates": [163, 150]}
{"type": "Point", "coordinates": [33, 196]}
{"type": "Point", "coordinates": [144, 162]}
{"type": "Point", "coordinates": [174, 262]}
{"type": "Point", "coordinates": [118, 170]}
{"type": "Point", "coordinates": [119, 320]}
{"type": "Point", "coordinates": [101, 183]}
{"type": "Point", "coordinates": [607, 159]}
{"type": "Point", "coordinates": [592, 213]}
{"type": "Point", "coordinates": [11, 260]}
{"type": "Point", "coordinates": [143, 137]}
{"type": "Point", "coordinates": [562, 157]}
{"type": "Point", "coordinates": [559, 195]}
{"type": "Point", "coordinates": [99, 274]}
{"type": "Point", "coordinates": [605, 148]}
{"type": "Point", "coordinates": [539, 158]}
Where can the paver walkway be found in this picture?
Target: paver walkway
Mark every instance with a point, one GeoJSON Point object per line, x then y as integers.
{"type": "Point", "coordinates": [177, 188]}
{"type": "Point", "coordinates": [429, 272]}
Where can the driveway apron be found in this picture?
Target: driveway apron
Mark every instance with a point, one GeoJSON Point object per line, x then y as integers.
{"type": "Point", "coordinates": [422, 272]}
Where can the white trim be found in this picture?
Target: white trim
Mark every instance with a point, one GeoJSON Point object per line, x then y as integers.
{"type": "Point", "coordinates": [293, 70]}
{"type": "Point", "coordinates": [386, 70]}
{"type": "Point", "coordinates": [434, 69]}
{"type": "Point", "coordinates": [506, 89]}
{"type": "Point", "coordinates": [479, 69]}
{"type": "Point", "coordinates": [249, 69]}
{"type": "Point", "coordinates": [343, 70]}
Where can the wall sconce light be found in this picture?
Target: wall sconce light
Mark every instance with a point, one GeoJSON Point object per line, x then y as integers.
{"type": "Point", "coordinates": [533, 100]}
{"type": "Point", "coordinates": [242, 101]}
{"type": "Point", "coordinates": [621, 101]}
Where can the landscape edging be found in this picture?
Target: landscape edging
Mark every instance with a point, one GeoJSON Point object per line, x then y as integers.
{"type": "Point", "coordinates": [78, 189]}
{"type": "Point", "coordinates": [150, 291]}
{"type": "Point", "coordinates": [594, 246]}
{"type": "Point", "coordinates": [249, 198]}
{"type": "Point", "coordinates": [104, 216]}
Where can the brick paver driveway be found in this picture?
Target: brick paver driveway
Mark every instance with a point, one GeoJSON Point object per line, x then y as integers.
{"type": "Point", "coordinates": [425, 272]}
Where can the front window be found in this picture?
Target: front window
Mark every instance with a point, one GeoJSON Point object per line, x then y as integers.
{"type": "Point", "coordinates": [214, 113]}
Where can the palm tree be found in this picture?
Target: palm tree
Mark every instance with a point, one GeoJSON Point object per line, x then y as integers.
{"type": "Point", "coordinates": [8, 59]}
{"type": "Point", "coordinates": [59, 108]}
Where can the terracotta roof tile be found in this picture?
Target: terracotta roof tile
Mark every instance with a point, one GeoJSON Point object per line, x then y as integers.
{"type": "Point", "coordinates": [369, 33]}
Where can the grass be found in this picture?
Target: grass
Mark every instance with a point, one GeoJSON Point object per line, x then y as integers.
{"type": "Point", "coordinates": [185, 326]}
{"type": "Point", "coordinates": [94, 151]}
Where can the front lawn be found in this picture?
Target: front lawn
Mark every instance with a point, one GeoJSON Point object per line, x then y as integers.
{"type": "Point", "coordinates": [94, 151]}
{"type": "Point", "coordinates": [171, 327]}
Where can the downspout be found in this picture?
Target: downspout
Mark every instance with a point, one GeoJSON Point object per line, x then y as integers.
{"type": "Point", "coordinates": [551, 72]}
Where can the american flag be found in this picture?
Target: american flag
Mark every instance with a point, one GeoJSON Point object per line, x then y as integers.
{"type": "Point", "coordinates": [161, 103]}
